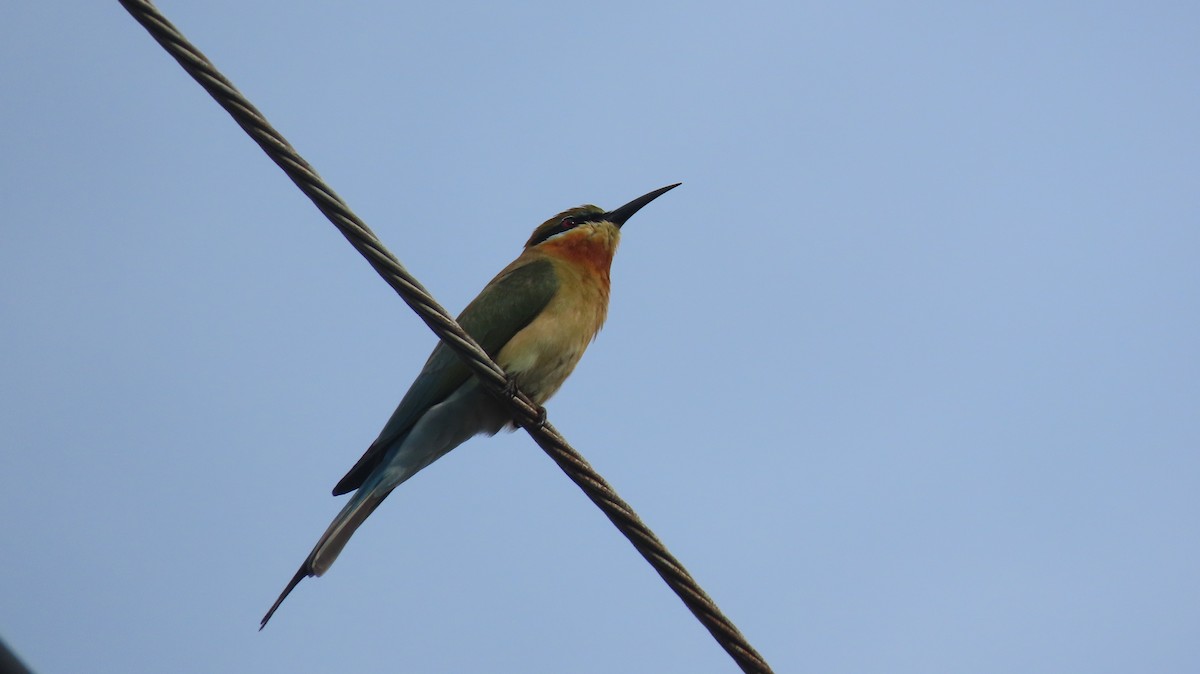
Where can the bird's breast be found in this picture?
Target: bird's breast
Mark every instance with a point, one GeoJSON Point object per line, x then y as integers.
{"type": "Point", "coordinates": [543, 353]}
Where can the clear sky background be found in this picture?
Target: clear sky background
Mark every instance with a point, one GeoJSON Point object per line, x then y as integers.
{"type": "Point", "coordinates": [906, 372]}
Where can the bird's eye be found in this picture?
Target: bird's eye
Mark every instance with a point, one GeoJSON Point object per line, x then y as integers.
{"type": "Point", "coordinates": [567, 223]}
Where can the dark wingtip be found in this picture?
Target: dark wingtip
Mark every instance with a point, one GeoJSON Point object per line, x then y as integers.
{"type": "Point", "coordinates": [303, 573]}
{"type": "Point", "coordinates": [357, 474]}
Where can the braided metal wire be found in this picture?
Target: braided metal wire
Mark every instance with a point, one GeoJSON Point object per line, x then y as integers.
{"type": "Point", "coordinates": [525, 412]}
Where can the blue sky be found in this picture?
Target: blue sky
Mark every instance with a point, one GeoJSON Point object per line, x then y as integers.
{"type": "Point", "coordinates": [905, 373]}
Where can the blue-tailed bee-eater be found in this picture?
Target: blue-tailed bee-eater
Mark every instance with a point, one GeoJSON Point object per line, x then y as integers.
{"type": "Point", "coordinates": [534, 319]}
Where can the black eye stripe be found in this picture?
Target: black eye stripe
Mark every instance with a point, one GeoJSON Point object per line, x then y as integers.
{"type": "Point", "coordinates": [566, 224]}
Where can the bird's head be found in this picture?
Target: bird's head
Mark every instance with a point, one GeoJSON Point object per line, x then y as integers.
{"type": "Point", "coordinates": [589, 226]}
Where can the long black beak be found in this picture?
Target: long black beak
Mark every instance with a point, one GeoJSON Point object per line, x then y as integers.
{"type": "Point", "coordinates": [620, 215]}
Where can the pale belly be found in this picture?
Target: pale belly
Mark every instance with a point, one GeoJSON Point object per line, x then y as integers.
{"type": "Point", "coordinates": [543, 354]}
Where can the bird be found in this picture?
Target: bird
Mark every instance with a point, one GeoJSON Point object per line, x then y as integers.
{"type": "Point", "coordinates": [535, 319]}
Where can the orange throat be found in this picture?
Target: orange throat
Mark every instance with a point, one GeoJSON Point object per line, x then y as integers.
{"type": "Point", "coordinates": [591, 255]}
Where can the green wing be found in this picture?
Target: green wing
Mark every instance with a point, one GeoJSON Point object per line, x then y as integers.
{"type": "Point", "coordinates": [509, 303]}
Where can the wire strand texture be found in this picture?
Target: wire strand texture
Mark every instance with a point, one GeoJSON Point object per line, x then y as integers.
{"type": "Point", "coordinates": [526, 413]}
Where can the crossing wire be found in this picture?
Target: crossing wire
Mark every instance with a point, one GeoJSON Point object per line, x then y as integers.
{"type": "Point", "coordinates": [526, 413]}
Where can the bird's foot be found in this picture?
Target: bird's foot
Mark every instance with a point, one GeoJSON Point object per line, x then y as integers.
{"type": "Point", "coordinates": [510, 386]}
{"type": "Point", "coordinates": [510, 390]}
